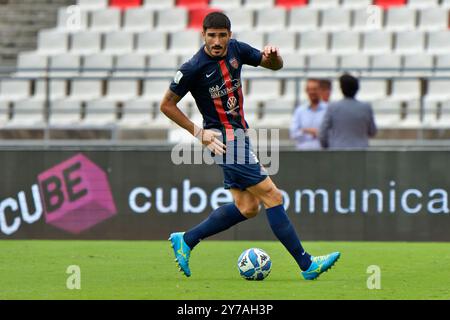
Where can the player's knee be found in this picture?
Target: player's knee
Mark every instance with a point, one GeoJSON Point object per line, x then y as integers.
{"type": "Point", "coordinates": [249, 209]}
{"type": "Point", "coordinates": [276, 197]}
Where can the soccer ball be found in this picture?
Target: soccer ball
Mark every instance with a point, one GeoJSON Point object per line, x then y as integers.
{"type": "Point", "coordinates": [254, 264]}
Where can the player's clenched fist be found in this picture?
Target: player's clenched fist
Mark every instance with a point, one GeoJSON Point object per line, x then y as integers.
{"type": "Point", "coordinates": [271, 52]}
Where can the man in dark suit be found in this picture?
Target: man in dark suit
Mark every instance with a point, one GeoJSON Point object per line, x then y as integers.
{"type": "Point", "coordinates": [348, 123]}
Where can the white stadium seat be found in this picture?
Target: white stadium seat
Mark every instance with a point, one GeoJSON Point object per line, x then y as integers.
{"type": "Point", "coordinates": [355, 63]}
{"type": "Point", "coordinates": [271, 19]}
{"type": "Point", "coordinates": [336, 20]}
{"type": "Point", "coordinates": [264, 89]}
{"type": "Point", "coordinates": [159, 4]}
{"type": "Point", "coordinates": [313, 42]}
{"type": "Point", "coordinates": [71, 62]}
{"type": "Point", "coordinates": [174, 19]}
{"type": "Point", "coordinates": [400, 19]}
{"type": "Point", "coordinates": [442, 65]}
{"type": "Point", "coordinates": [391, 62]}
{"type": "Point", "coordinates": [241, 19]}
{"type": "Point", "coordinates": [258, 4]}
{"type": "Point", "coordinates": [85, 89]}
{"type": "Point", "coordinates": [356, 4]}
{"type": "Point", "coordinates": [368, 18]}
{"type": "Point", "coordinates": [100, 112]}
{"type": "Point", "coordinates": [438, 42]}
{"type": "Point", "coordinates": [409, 42]}
{"type": "Point", "coordinates": [121, 90]}
{"type": "Point", "coordinates": [431, 19]}
{"type": "Point", "coordinates": [28, 113]}
{"type": "Point", "coordinates": [72, 19]}
{"type": "Point", "coordinates": [57, 89]}
{"type": "Point", "coordinates": [324, 4]}
{"type": "Point", "coordinates": [52, 42]}
{"type": "Point", "coordinates": [105, 20]}
{"type": "Point", "coordinates": [377, 42]}
{"type": "Point", "coordinates": [92, 4]}
{"type": "Point", "coordinates": [136, 113]}
{"type": "Point", "coordinates": [65, 112]}
{"type": "Point", "coordinates": [135, 61]}
{"type": "Point", "coordinates": [371, 89]}
{"type": "Point", "coordinates": [151, 42]}
{"type": "Point", "coordinates": [285, 40]}
{"type": "Point", "coordinates": [423, 3]}
{"type": "Point", "coordinates": [185, 42]}
{"type": "Point", "coordinates": [86, 42]}
{"type": "Point", "coordinates": [118, 42]}
{"type": "Point", "coordinates": [303, 19]}
{"type": "Point", "coordinates": [345, 42]}
{"type": "Point", "coordinates": [100, 61]}
{"type": "Point", "coordinates": [31, 60]}
{"type": "Point", "coordinates": [253, 38]}
{"type": "Point", "coordinates": [417, 61]}
{"type": "Point", "coordinates": [326, 61]}
{"type": "Point", "coordinates": [138, 19]}
{"type": "Point", "coordinates": [225, 4]}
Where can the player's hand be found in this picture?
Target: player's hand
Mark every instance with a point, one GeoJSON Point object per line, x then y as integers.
{"type": "Point", "coordinates": [271, 52]}
{"type": "Point", "coordinates": [209, 138]}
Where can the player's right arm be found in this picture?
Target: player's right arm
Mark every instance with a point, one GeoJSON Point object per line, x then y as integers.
{"type": "Point", "coordinates": [208, 138]}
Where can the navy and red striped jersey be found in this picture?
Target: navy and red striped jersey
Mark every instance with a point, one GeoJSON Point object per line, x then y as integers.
{"type": "Point", "coordinates": [215, 84]}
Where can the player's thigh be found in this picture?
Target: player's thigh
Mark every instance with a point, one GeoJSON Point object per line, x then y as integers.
{"type": "Point", "coordinates": [247, 203]}
{"type": "Point", "coordinates": [267, 192]}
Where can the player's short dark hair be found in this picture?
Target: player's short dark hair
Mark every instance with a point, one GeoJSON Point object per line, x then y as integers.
{"type": "Point", "coordinates": [325, 84]}
{"type": "Point", "coordinates": [216, 20]}
{"type": "Point", "coordinates": [349, 85]}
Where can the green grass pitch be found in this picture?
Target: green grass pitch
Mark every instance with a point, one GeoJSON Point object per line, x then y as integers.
{"type": "Point", "coordinates": [145, 270]}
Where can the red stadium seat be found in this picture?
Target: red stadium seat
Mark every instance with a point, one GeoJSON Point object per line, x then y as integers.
{"type": "Point", "coordinates": [196, 17]}
{"type": "Point", "coordinates": [291, 3]}
{"type": "Point", "coordinates": [389, 3]}
{"type": "Point", "coordinates": [193, 4]}
{"type": "Point", "coordinates": [125, 4]}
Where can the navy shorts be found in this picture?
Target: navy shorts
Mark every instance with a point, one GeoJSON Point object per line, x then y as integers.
{"type": "Point", "coordinates": [240, 165]}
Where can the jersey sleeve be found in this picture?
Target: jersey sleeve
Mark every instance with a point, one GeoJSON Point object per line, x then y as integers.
{"type": "Point", "coordinates": [249, 55]}
{"type": "Point", "coordinates": [181, 83]}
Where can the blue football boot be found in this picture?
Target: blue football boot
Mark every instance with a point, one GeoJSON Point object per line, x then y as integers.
{"type": "Point", "coordinates": [182, 252]}
{"type": "Point", "coordinates": [320, 264]}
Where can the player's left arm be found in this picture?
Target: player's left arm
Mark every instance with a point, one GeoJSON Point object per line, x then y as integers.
{"type": "Point", "coordinates": [271, 58]}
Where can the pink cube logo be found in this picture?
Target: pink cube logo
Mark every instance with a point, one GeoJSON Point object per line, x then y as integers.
{"type": "Point", "coordinates": [76, 195]}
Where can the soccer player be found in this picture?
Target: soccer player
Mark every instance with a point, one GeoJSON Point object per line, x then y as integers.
{"type": "Point", "coordinates": [212, 76]}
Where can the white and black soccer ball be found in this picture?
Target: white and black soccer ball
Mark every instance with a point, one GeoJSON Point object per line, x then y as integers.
{"type": "Point", "coordinates": [254, 264]}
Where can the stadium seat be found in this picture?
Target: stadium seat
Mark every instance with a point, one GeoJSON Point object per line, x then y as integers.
{"type": "Point", "coordinates": [285, 40]}
{"type": "Point", "coordinates": [264, 89]}
{"type": "Point", "coordinates": [423, 3]}
{"type": "Point", "coordinates": [13, 90]}
{"type": "Point", "coordinates": [31, 60]}
{"type": "Point", "coordinates": [272, 19]}
{"type": "Point", "coordinates": [121, 90]}
{"type": "Point", "coordinates": [52, 42]}
{"type": "Point", "coordinates": [4, 112]}
{"type": "Point", "coordinates": [259, 4]}
{"type": "Point", "coordinates": [168, 61]}
{"type": "Point", "coordinates": [324, 4]}
{"type": "Point", "coordinates": [86, 42]}
{"type": "Point", "coordinates": [154, 90]}
{"type": "Point", "coordinates": [392, 64]}
{"type": "Point", "coordinates": [372, 89]}
{"type": "Point", "coordinates": [159, 4]}
{"type": "Point", "coordinates": [100, 112]}
{"type": "Point", "coordinates": [431, 19]}
{"type": "Point", "coordinates": [437, 91]}
{"type": "Point", "coordinates": [356, 4]}
{"type": "Point", "coordinates": [28, 113]}
{"type": "Point", "coordinates": [64, 61]}
{"type": "Point", "coordinates": [151, 42]}
{"type": "Point", "coordinates": [125, 4]}
{"type": "Point", "coordinates": [415, 61]}
{"type": "Point", "coordinates": [400, 19]}
{"type": "Point", "coordinates": [105, 20]}
{"type": "Point", "coordinates": [445, 4]}
{"type": "Point", "coordinates": [225, 4]}
{"type": "Point", "coordinates": [135, 61]}
{"type": "Point", "coordinates": [409, 42]}
{"type": "Point", "coordinates": [337, 19]}
{"type": "Point", "coordinates": [326, 61]}
{"type": "Point", "coordinates": [303, 19]}
{"type": "Point", "coordinates": [293, 60]}
{"type": "Point", "coordinates": [136, 114]}
{"type": "Point", "coordinates": [92, 4]}
{"type": "Point", "coordinates": [253, 38]}
{"type": "Point", "coordinates": [289, 4]}
{"type": "Point", "coordinates": [174, 19]}
{"type": "Point", "coordinates": [241, 19]}
{"type": "Point", "coordinates": [118, 42]}
{"type": "Point", "coordinates": [406, 91]}
{"type": "Point", "coordinates": [138, 20]}
{"type": "Point", "coordinates": [345, 42]}
{"type": "Point", "coordinates": [355, 63]}
{"type": "Point", "coordinates": [442, 65]}
{"type": "Point", "coordinates": [276, 114]}
{"type": "Point", "coordinates": [57, 90]}
{"type": "Point", "coordinates": [385, 4]}
{"type": "Point", "coordinates": [192, 4]}
{"type": "Point", "coordinates": [377, 42]}
{"type": "Point", "coordinates": [65, 113]}
{"type": "Point", "coordinates": [197, 15]}
{"type": "Point", "coordinates": [97, 61]}
{"type": "Point", "coordinates": [368, 19]}
{"type": "Point", "coordinates": [72, 20]}
{"type": "Point", "coordinates": [438, 42]}
{"type": "Point", "coordinates": [184, 42]}
{"type": "Point", "coordinates": [85, 89]}
{"type": "Point", "coordinates": [313, 42]}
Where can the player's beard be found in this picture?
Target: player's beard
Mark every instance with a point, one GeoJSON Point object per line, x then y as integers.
{"type": "Point", "coordinates": [216, 51]}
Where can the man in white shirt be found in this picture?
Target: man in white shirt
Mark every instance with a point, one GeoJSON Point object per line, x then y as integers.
{"type": "Point", "coordinates": [308, 119]}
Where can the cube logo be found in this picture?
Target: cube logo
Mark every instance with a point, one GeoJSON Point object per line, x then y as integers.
{"type": "Point", "coordinates": [76, 195]}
